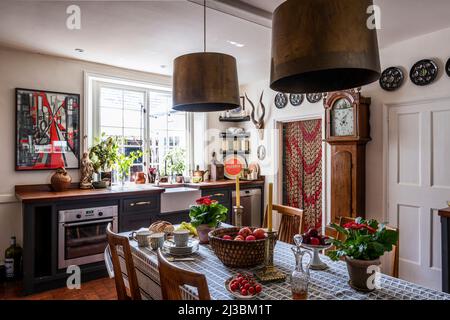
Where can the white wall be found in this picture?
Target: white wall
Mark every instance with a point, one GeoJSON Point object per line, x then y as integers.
{"type": "Point", "coordinates": [34, 71]}
{"type": "Point", "coordinates": [404, 54]}
{"type": "Point", "coordinates": [271, 166]}
{"type": "Point", "coordinates": [213, 140]}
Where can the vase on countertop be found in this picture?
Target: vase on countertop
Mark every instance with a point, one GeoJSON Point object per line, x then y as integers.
{"type": "Point", "coordinates": [202, 231]}
{"type": "Point", "coordinates": [60, 180]}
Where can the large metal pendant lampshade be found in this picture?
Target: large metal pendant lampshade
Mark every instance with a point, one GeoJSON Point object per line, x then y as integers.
{"type": "Point", "coordinates": [323, 46]}
{"type": "Point", "coordinates": [205, 81]}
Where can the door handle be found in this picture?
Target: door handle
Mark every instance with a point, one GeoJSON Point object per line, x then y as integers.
{"type": "Point", "coordinates": [140, 203]}
{"type": "Point", "coordinates": [218, 195]}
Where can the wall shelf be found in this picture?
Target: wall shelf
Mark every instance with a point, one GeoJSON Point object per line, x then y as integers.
{"type": "Point", "coordinates": [234, 135]}
{"type": "Point", "coordinates": [234, 119]}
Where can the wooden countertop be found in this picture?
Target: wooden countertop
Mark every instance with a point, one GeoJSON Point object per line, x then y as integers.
{"type": "Point", "coordinates": [37, 193]}
{"type": "Point", "coordinates": [224, 184]}
{"type": "Point", "coordinates": [445, 213]}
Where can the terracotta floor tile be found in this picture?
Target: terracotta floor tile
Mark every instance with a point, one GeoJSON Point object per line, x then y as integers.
{"type": "Point", "coordinates": [101, 289]}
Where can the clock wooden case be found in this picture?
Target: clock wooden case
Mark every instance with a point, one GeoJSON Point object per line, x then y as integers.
{"type": "Point", "coordinates": [347, 130]}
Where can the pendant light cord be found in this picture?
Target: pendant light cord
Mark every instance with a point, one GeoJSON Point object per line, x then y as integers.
{"type": "Point", "coordinates": [204, 25]}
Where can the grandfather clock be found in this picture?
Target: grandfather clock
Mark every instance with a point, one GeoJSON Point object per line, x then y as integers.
{"type": "Point", "coordinates": [347, 131]}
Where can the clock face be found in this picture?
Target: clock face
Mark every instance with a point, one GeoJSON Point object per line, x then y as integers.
{"type": "Point", "coordinates": [342, 121]}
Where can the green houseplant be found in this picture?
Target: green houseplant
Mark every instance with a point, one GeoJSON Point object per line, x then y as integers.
{"type": "Point", "coordinates": [175, 161]}
{"type": "Point", "coordinates": [104, 155]}
{"type": "Point", "coordinates": [124, 164]}
{"type": "Point", "coordinates": [206, 215]}
{"type": "Point", "coordinates": [363, 245]}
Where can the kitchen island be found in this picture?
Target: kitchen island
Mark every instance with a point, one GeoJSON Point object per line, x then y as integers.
{"type": "Point", "coordinates": [51, 243]}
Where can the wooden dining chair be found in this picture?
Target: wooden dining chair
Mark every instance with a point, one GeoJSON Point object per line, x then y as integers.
{"type": "Point", "coordinates": [332, 233]}
{"type": "Point", "coordinates": [395, 253]}
{"type": "Point", "coordinates": [115, 240]}
{"type": "Point", "coordinates": [395, 248]}
{"type": "Point", "coordinates": [291, 222]}
{"type": "Point", "coordinates": [173, 277]}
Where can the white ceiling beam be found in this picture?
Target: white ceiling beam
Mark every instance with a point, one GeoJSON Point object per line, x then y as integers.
{"type": "Point", "coordinates": [239, 9]}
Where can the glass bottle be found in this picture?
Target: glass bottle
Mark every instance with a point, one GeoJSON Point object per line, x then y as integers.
{"type": "Point", "coordinates": [13, 260]}
{"type": "Point", "coordinates": [300, 277]}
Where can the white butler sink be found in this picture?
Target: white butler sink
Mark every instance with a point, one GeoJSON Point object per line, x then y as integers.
{"type": "Point", "coordinates": [178, 199]}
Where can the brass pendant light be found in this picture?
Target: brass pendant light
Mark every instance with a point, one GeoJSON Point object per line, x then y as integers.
{"type": "Point", "coordinates": [323, 46]}
{"type": "Point", "coordinates": [205, 81]}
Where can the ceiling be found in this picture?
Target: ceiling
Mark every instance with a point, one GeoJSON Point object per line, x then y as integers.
{"type": "Point", "coordinates": [148, 35]}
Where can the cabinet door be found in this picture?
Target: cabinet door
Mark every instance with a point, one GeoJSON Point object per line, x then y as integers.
{"type": "Point", "coordinates": [133, 222]}
{"type": "Point", "coordinates": [341, 185]}
{"type": "Point", "coordinates": [223, 196]}
{"type": "Point", "coordinates": [175, 217]}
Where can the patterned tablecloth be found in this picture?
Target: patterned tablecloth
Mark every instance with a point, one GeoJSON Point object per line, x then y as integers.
{"type": "Point", "coordinates": [328, 284]}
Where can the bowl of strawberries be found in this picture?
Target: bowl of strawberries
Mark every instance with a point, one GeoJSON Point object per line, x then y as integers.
{"type": "Point", "coordinates": [243, 286]}
{"type": "Point", "coordinates": [239, 247]}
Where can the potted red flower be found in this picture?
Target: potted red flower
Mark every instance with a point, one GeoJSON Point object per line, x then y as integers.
{"type": "Point", "coordinates": [365, 242]}
{"type": "Point", "coordinates": [206, 215]}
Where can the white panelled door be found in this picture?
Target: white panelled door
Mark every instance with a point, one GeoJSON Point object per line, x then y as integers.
{"type": "Point", "coordinates": [419, 185]}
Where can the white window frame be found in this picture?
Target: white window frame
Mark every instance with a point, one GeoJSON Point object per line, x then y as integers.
{"type": "Point", "coordinates": [92, 112]}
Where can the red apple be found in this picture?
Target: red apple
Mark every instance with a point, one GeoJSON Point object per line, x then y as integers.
{"type": "Point", "coordinates": [315, 241]}
{"type": "Point", "coordinates": [239, 238]}
{"type": "Point", "coordinates": [250, 238]}
{"type": "Point", "coordinates": [313, 232]}
{"type": "Point", "coordinates": [259, 233]}
{"type": "Point", "coordinates": [306, 239]}
{"type": "Point", "coordinates": [227, 237]}
{"type": "Point", "coordinates": [244, 232]}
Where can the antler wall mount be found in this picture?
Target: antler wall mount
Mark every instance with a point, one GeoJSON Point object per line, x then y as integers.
{"type": "Point", "coordinates": [259, 123]}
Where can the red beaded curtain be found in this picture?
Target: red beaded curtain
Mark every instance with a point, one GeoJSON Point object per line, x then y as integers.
{"type": "Point", "coordinates": [302, 169]}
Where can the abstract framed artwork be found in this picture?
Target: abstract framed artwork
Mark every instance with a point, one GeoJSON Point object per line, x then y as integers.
{"type": "Point", "coordinates": [47, 130]}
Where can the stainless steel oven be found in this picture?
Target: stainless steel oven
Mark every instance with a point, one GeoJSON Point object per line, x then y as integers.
{"type": "Point", "coordinates": [82, 234]}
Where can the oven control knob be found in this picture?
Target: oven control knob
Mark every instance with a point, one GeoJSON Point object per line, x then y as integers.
{"type": "Point", "coordinates": [100, 214]}
{"type": "Point", "coordinates": [78, 216]}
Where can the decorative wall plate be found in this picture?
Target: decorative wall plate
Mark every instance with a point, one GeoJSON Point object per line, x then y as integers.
{"type": "Point", "coordinates": [447, 67]}
{"type": "Point", "coordinates": [424, 72]}
{"type": "Point", "coordinates": [296, 99]}
{"type": "Point", "coordinates": [261, 152]}
{"type": "Point", "coordinates": [234, 164]}
{"type": "Point", "coordinates": [314, 97]}
{"type": "Point", "coordinates": [391, 79]}
{"type": "Point", "coordinates": [281, 100]}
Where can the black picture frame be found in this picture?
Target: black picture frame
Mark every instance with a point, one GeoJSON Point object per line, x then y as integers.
{"type": "Point", "coordinates": [24, 122]}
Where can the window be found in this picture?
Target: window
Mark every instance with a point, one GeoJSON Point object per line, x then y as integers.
{"type": "Point", "coordinates": [143, 119]}
{"type": "Point", "coordinates": [167, 130]}
{"type": "Point", "coordinates": [122, 115]}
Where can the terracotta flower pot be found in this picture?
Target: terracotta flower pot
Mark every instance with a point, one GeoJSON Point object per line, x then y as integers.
{"type": "Point", "coordinates": [359, 274]}
{"type": "Point", "coordinates": [203, 231]}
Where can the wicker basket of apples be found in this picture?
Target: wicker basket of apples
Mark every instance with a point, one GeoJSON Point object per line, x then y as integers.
{"type": "Point", "coordinates": [238, 247]}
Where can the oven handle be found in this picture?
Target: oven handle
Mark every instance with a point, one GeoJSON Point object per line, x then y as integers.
{"type": "Point", "coordinates": [86, 222]}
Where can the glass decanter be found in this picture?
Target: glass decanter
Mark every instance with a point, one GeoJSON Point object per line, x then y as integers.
{"type": "Point", "coordinates": [300, 277]}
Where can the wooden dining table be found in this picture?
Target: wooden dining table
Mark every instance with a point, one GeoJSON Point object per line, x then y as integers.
{"type": "Point", "coordinates": [329, 284]}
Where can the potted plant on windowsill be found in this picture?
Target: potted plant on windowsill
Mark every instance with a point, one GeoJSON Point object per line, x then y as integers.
{"type": "Point", "coordinates": [124, 164]}
{"type": "Point", "coordinates": [365, 242]}
{"type": "Point", "coordinates": [103, 156]}
{"type": "Point", "coordinates": [175, 161]}
{"type": "Point", "coordinates": [206, 215]}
